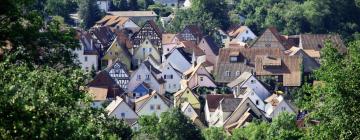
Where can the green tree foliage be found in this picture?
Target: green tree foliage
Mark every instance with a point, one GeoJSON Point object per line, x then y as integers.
{"type": "Point", "coordinates": [89, 12]}
{"type": "Point", "coordinates": [214, 133]}
{"type": "Point", "coordinates": [54, 108]}
{"type": "Point", "coordinates": [146, 3]}
{"type": "Point", "coordinates": [335, 102]}
{"type": "Point", "coordinates": [216, 8]}
{"type": "Point", "coordinates": [160, 10]}
{"type": "Point", "coordinates": [302, 16]}
{"type": "Point", "coordinates": [61, 7]}
{"type": "Point", "coordinates": [121, 5]}
{"type": "Point", "coordinates": [32, 40]}
{"type": "Point", "coordinates": [282, 127]}
{"type": "Point", "coordinates": [171, 125]}
{"type": "Point", "coordinates": [133, 5]}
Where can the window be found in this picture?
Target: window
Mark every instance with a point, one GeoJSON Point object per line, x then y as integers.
{"type": "Point", "coordinates": [110, 53]}
{"type": "Point", "coordinates": [138, 77]}
{"type": "Point", "coordinates": [146, 42]}
{"type": "Point", "coordinates": [283, 108]}
{"type": "Point", "coordinates": [151, 107]}
{"type": "Point", "coordinates": [268, 45]}
{"type": "Point", "coordinates": [116, 53]}
{"type": "Point", "coordinates": [147, 77]}
{"type": "Point", "coordinates": [149, 49]}
{"type": "Point", "coordinates": [134, 94]}
{"type": "Point", "coordinates": [257, 102]}
{"type": "Point", "coordinates": [167, 49]}
{"type": "Point", "coordinates": [169, 85]}
{"type": "Point", "coordinates": [174, 86]}
{"type": "Point", "coordinates": [201, 78]}
{"type": "Point", "coordinates": [189, 110]}
{"type": "Point", "coordinates": [158, 107]}
{"type": "Point", "coordinates": [227, 73]}
{"type": "Point", "coordinates": [247, 31]}
{"type": "Point", "coordinates": [117, 71]}
{"type": "Point", "coordinates": [155, 96]}
{"type": "Point", "coordinates": [233, 59]}
{"type": "Point", "coordinates": [86, 59]}
{"type": "Point", "coordinates": [144, 50]}
{"type": "Point", "coordinates": [252, 81]}
{"type": "Point", "coordinates": [247, 104]}
{"type": "Point", "coordinates": [87, 69]}
{"type": "Point", "coordinates": [122, 115]}
{"type": "Point", "coordinates": [237, 73]}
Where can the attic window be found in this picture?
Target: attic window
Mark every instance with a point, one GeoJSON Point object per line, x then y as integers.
{"type": "Point", "coordinates": [247, 31]}
{"type": "Point", "coordinates": [237, 73]}
{"type": "Point", "coordinates": [155, 96]}
{"type": "Point", "coordinates": [268, 45]}
{"type": "Point", "coordinates": [319, 46]}
{"type": "Point", "coordinates": [228, 73]}
{"type": "Point", "coordinates": [257, 102]}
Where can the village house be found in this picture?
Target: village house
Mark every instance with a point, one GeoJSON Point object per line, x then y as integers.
{"type": "Point", "coordinates": [103, 88]}
{"type": "Point", "coordinates": [179, 59]}
{"type": "Point", "coordinates": [117, 51]}
{"type": "Point", "coordinates": [198, 76]}
{"type": "Point", "coordinates": [146, 49]}
{"type": "Point", "coordinates": [186, 95]}
{"type": "Point", "coordinates": [277, 104]}
{"type": "Point", "coordinates": [152, 103]}
{"type": "Point", "coordinates": [240, 33]}
{"type": "Point", "coordinates": [211, 104]}
{"type": "Point", "coordinates": [151, 31]}
{"type": "Point", "coordinates": [103, 36]}
{"type": "Point", "coordinates": [172, 77]}
{"type": "Point", "coordinates": [148, 74]}
{"type": "Point", "coordinates": [190, 112]}
{"type": "Point", "coordinates": [119, 109]}
{"type": "Point", "coordinates": [136, 16]}
{"type": "Point", "coordinates": [87, 54]}
{"type": "Point", "coordinates": [117, 23]}
{"type": "Point", "coordinates": [168, 43]}
{"type": "Point", "coordinates": [210, 48]}
{"type": "Point", "coordinates": [119, 72]}
{"type": "Point", "coordinates": [191, 33]}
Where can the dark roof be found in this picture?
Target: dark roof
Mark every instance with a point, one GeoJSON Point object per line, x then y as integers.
{"type": "Point", "coordinates": [213, 101]}
{"type": "Point", "coordinates": [210, 41]}
{"type": "Point", "coordinates": [195, 30]}
{"type": "Point", "coordinates": [317, 41]}
{"type": "Point", "coordinates": [151, 67]}
{"type": "Point", "coordinates": [89, 43]}
{"type": "Point", "coordinates": [103, 80]}
{"type": "Point", "coordinates": [191, 47]}
{"type": "Point", "coordinates": [155, 27]}
{"type": "Point", "coordinates": [103, 34]}
{"type": "Point", "coordinates": [230, 104]}
{"type": "Point", "coordinates": [182, 51]}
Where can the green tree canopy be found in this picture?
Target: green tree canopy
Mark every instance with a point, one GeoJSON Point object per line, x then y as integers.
{"type": "Point", "coordinates": [172, 124]}
{"type": "Point", "coordinates": [89, 12]}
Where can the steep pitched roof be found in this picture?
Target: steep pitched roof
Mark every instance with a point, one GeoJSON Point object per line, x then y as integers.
{"type": "Point", "coordinates": [141, 102]}
{"type": "Point", "coordinates": [317, 41]}
{"type": "Point", "coordinates": [167, 38]}
{"type": "Point", "coordinates": [213, 100]}
{"type": "Point", "coordinates": [103, 34]}
{"type": "Point", "coordinates": [117, 61]}
{"type": "Point", "coordinates": [230, 104]}
{"type": "Point", "coordinates": [153, 25]}
{"type": "Point", "coordinates": [242, 78]}
{"type": "Point", "coordinates": [272, 37]}
{"type": "Point", "coordinates": [103, 80]}
{"type": "Point", "coordinates": [234, 31]}
{"type": "Point", "coordinates": [210, 41]}
{"type": "Point", "coordinates": [181, 50]}
{"type": "Point", "coordinates": [190, 47]}
{"type": "Point", "coordinates": [194, 29]}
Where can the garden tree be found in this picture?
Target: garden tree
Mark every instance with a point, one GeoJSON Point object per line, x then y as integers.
{"type": "Point", "coordinates": [216, 8]}
{"type": "Point", "coordinates": [160, 10]}
{"type": "Point", "coordinates": [172, 124]}
{"type": "Point", "coordinates": [133, 5]}
{"type": "Point", "coordinates": [22, 28]}
{"type": "Point", "coordinates": [61, 7]}
{"type": "Point", "coordinates": [302, 16]}
{"type": "Point", "coordinates": [214, 133]}
{"type": "Point", "coordinates": [54, 108]}
{"type": "Point", "coordinates": [335, 102]}
{"type": "Point", "coordinates": [282, 127]}
{"type": "Point", "coordinates": [146, 3]}
{"type": "Point", "coordinates": [121, 5]}
{"type": "Point", "coordinates": [89, 12]}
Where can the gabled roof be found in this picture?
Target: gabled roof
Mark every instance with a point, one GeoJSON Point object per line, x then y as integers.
{"type": "Point", "coordinates": [246, 63]}
{"type": "Point", "coordinates": [190, 47]}
{"type": "Point", "coordinates": [317, 41]}
{"type": "Point", "coordinates": [123, 39]}
{"type": "Point", "coordinates": [141, 102]}
{"type": "Point", "coordinates": [167, 38]}
{"type": "Point", "coordinates": [115, 104]}
{"type": "Point", "coordinates": [103, 34]}
{"type": "Point", "coordinates": [194, 29]}
{"type": "Point", "coordinates": [273, 37]}
{"type": "Point", "coordinates": [242, 78]}
{"type": "Point", "coordinates": [122, 65]}
{"type": "Point", "coordinates": [213, 100]}
{"type": "Point", "coordinates": [110, 20]}
{"type": "Point", "coordinates": [229, 104]}
{"type": "Point", "coordinates": [290, 69]}
{"type": "Point", "coordinates": [153, 26]}
{"type": "Point", "coordinates": [181, 50]}
{"type": "Point", "coordinates": [125, 50]}
{"type": "Point", "coordinates": [210, 41]}
{"type": "Point", "coordinates": [234, 31]}
{"type": "Point", "coordinates": [103, 80]}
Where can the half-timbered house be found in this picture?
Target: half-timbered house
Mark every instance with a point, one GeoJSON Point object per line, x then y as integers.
{"type": "Point", "coordinates": [151, 31]}
{"type": "Point", "coordinates": [119, 73]}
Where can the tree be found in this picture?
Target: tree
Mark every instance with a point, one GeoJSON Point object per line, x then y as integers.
{"type": "Point", "coordinates": [282, 127]}
{"type": "Point", "coordinates": [146, 3]}
{"type": "Point", "coordinates": [133, 5]}
{"type": "Point", "coordinates": [214, 133]}
{"type": "Point", "coordinates": [34, 41]}
{"type": "Point", "coordinates": [216, 8]}
{"type": "Point", "coordinates": [335, 101]}
{"type": "Point", "coordinates": [121, 5]}
{"type": "Point", "coordinates": [61, 7]}
{"type": "Point", "coordinates": [54, 108]}
{"type": "Point", "coordinates": [171, 125]}
{"type": "Point", "coordinates": [89, 12]}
